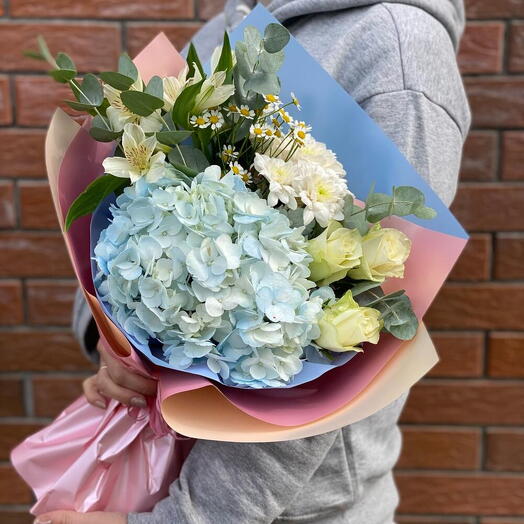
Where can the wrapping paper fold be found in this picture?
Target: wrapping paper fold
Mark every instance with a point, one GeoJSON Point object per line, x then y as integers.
{"type": "Point", "coordinates": [75, 462]}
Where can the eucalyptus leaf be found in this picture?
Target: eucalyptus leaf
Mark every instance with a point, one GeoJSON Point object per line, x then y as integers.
{"type": "Point", "coordinates": [44, 50]}
{"type": "Point", "coordinates": [64, 61]}
{"type": "Point", "coordinates": [117, 80]}
{"type": "Point", "coordinates": [252, 37]}
{"type": "Point", "coordinates": [271, 62]}
{"type": "Point", "coordinates": [172, 138]}
{"type": "Point", "coordinates": [99, 130]}
{"type": "Point", "coordinates": [63, 75]}
{"type": "Point", "coordinates": [276, 37]}
{"type": "Point", "coordinates": [95, 192]}
{"type": "Point", "coordinates": [126, 67]}
{"type": "Point", "coordinates": [399, 318]}
{"type": "Point", "coordinates": [155, 87]}
{"type": "Point", "coordinates": [33, 54]}
{"type": "Point", "coordinates": [362, 286]}
{"type": "Point", "coordinates": [139, 103]}
{"type": "Point", "coordinates": [188, 159]}
{"type": "Point", "coordinates": [89, 92]}
{"type": "Point", "coordinates": [78, 106]}
{"type": "Point", "coordinates": [354, 216]}
{"type": "Point", "coordinates": [263, 83]}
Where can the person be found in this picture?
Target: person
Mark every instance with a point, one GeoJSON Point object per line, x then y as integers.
{"type": "Point", "coordinates": [398, 60]}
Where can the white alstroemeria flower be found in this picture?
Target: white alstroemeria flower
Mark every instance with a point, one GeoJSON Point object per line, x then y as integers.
{"type": "Point", "coordinates": [322, 192]}
{"type": "Point", "coordinates": [173, 86]}
{"type": "Point", "coordinates": [213, 92]}
{"type": "Point", "coordinates": [280, 175]}
{"type": "Point", "coordinates": [119, 115]}
{"type": "Point", "coordinates": [139, 159]}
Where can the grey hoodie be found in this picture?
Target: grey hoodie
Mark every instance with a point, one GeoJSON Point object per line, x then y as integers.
{"type": "Point", "coordinates": [398, 61]}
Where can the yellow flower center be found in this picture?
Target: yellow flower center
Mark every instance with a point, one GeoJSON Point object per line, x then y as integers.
{"type": "Point", "coordinates": [200, 120]}
{"type": "Point", "coordinates": [258, 131]}
{"type": "Point", "coordinates": [244, 111]}
{"type": "Point", "coordinates": [271, 98]}
{"type": "Point", "coordinates": [235, 169]}
{"type": "Point", "coordinates": [233, 108]}
{"type": "Point", "coordinates": [301, 134]}
{"type": "Point", "coordinates": [214, 119]}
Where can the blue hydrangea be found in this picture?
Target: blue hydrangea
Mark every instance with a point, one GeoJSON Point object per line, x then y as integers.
{"type": "Point", "coordinates": [214, 274]}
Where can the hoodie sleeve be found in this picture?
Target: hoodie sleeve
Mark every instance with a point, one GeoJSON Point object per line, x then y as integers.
{"type": "Point", "coordinates": [84, 327]}
{"type": "Point", "coordinates": [223, 482]}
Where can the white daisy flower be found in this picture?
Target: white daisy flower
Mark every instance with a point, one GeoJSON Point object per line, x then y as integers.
{"type": "Point", "coordinates": [256, 131]}
{"type": "Point", "coordinates": [200, 121]}
{"type": "Point", "coordinates": [296, 101]}
{"type": "Point", "coordinates": [215, 118]}
{"type": "Point", "coordinates": [273, 102]}
{"type": "Point", "coordinates": [232, 109]}
{"type": "Point", "coordinates": [228, 153]}
{"type": "Point", "coordinates": [280, 175]}
{"type": "Point", "coordinates": [238, 170]}
{"type": "Point", "coordinates": [300, 131]}
{"type": "Point", "coordinates": [244, 111]}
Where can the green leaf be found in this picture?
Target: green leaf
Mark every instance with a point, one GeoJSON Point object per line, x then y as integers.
{"type": "Point", "coordinates": [155, 87]}
{"type": "Point", "coordinates": [184, 105]}
{"type": "Point", "coordinates": [44, 50]}
{"type": "Point", "coordinates": [354, 216]}
{"type": "Point", "coordinates": [399, 318]}
{"type": "Point", "coordinates": [362, 286]}
{"type": "Point", "coordinates": [263, 83]}
{"type": "Point", "coordinates": [64, 61]}
{"type": "Point", "coordinates": [89, 199]}
{"type": "Point", "coordinates": [78, 106]}
{"type": "Point", "coordinates": [89, 92]}
{"type": "Point", "coordinates": [126, 66]}
{"type": "Point", "coordinates": [225, 62]}
{"type": "Point", "coordinates": [425, 212]}
{"type": "Point", "coordinates": [193, 60]}
{"type": "Point", "coordinates": [33, 54]}
{"type": "Point", "coordinates": [188, 159]}
{"type": "Point", "coordinates": [139, 103]}
{"type": "Point", "coordinates": [252, 37]}
{"type": "Point", "coordinates": [62, 75]}
{"type": "Point", "coordinates": [271, 62]}
{"type": "Point", "coordinates": [172, 138]}
{"type": "Point", "coordinates": [117, 80]}
{"type": "Point", "coordinates": [276, 37]}
{"type": "Point", "coordinates": [244, 65]}
{"type": "Point", "coordinates": [100, 132]}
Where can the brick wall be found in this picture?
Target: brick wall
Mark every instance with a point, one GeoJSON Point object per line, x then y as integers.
{"type": "Point", "coordinates": [463, 458]}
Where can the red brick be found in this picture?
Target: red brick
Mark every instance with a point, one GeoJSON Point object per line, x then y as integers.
{"type": "Point", "coordinates": [116, 9]}
{"type": "Point", "coordinates": [7, 205]}
{"type": "Point", "coordinates": [11, 403]}
{"type": "Point", "coordinates": [439, 448]}
{"type": "Point", "coordinates": [209, 8]}
{"type": "Point", "coordinates": [15, 517]}
{"type": "Point", "coordinates": [469, 494]}
{"type": "Point", "coordinates": [139, 34]}
{"type": "Point", "coordinates": [22, 152]}
{"type": "Point", "coordinates": [37, 97]}
{"type": "Point", "coordinates": [437, 401]}
{"type": "Point", "coordinates": [505, 449]}
{"type": "Point", "coordinates": [513, 155]}
{"type": "Point", "coordinates": [78, 39]}
{"type": "Point", "coordinates": [13, 434]}
{"type": "Point", "coordinates": [494, 8]}
{"type": "Point", "coordinates": [28, 254]}
{"type": "Point", "coordinates": [475, 261]}
{"type": "Point", "coordinates": [461, 354]}
{"type": "Point", "coordinates": [418, 519]}
{"type": "Point", "coordinates": [516, 47]}
{"type": "Point", "coordinates": [53, 394]}
{"type": "Point", "coordinates": [490, 207]}
{"type": "Point", "coordinates": [36, 206]}
{"type": "Point", "coordinates": [509, 254]}
{"type": "Point", "coordinates": [501, 520]}
{"type": "Point", "coordinates": [477, 306]}
{"type": "Point", "coordinates": [13, 490]}
{"type": "Point", "coordinates": [506, 354]}
{"type": "Point", "coordinates": [6, 114]}
{"type": "Point", "coordinates": [496, 101]}
{"type": "Point", "coordinates": [34, 350]}
{"type": "Point", "coordinates": [50, 302]}
{"type": "Point", "coordinates": [479, 160]}
{"type": "Point", "coordinates": [481, 48]}
{"type": "Point", "coordinates": [11, 310]}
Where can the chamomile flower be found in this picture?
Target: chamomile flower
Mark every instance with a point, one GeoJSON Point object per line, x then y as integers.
{"type": "Point", "coordinates": [273, 102]}
{"type": "Point", "coordinates": [246, 112]}
{"type": "Point", "coordinates": [269, 131]}
{"type": "Point", "coordinates": [300, 131]}
{"type": "Point", "coordinates": [232, 109]}
{"type": "Point", "coordinates": [256, 131]}
{"type": "Point", "coordinates": [201, 121]}
{"type": "Point", "coordinates": [228, 153]}
{"type": "Point", "coordinates": [286, 117]}
{"type": "Point", "coordinates": [296, 101]}
{"type": "Point", "coordinates": [216, 120]}
{"type": "Point", "coordinates": [238, 170]}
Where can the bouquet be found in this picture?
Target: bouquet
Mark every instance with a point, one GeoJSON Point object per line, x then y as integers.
{"type": "Point", "coordinates": [228, 250]}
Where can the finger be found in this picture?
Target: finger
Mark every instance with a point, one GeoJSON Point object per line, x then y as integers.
{"type": "Point", "coordinates": [71, 517]}
{"type": "Point", "coordinates": [108, 388]}
{"type": "Point", "coordinates": [92, 394]}
{"type": "Point", "coordinates": [127, 378]}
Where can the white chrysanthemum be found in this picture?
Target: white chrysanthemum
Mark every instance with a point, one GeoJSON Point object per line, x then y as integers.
{"type": "Point", "coordinates": [321, 191]}
{"type": "Point", "coordinates": [280, 175]}
{"type": "Point", "coordinates": [316, 152]}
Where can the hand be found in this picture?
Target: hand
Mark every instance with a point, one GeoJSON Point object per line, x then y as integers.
{"type": "Point", "coordinates": [115, 380]}
{"type": "Point", "coordinates": [72, 517]}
